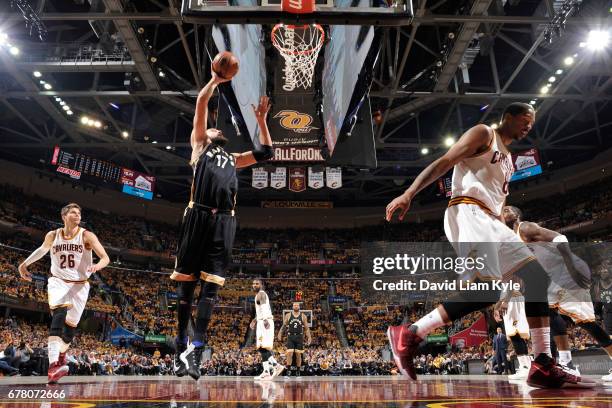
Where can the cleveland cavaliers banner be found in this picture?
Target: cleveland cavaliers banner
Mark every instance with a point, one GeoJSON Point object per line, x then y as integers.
{"type": "Point", "coordinates": [297, 179]}
{"type": "Point", "coordinates": [278, 178]}
{"type": "Point", "coordinates": [315, 178]}
{"type": "Point", "coordinates": [260, 177]}
{"type": "Point", "coordinates": [334, 177]}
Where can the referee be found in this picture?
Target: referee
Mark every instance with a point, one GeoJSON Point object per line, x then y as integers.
{"type": "Point", "coordinates": [207, 231]}
{"type": "Point", "coordinates": [296, 324]}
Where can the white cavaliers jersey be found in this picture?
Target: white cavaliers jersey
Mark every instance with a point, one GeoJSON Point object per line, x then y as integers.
{"type": "Point", "coordinates": [70, 260]}
{"type": "Point", "coordinates": [485, 177]}
{"type": "Point", "coordinates": [263, 311]}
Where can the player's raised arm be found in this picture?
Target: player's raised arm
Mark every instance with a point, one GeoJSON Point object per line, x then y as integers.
{"type": "Point", "coordinates": [472, 142]}
{"type": "Point", "coordinates": [35, 256]}
{"type": "Point", "coordinates": [265, 152]}
{"type": "Point", "coordinates": [200, 118]}
{"type": "Point", "coordinates": [92, 240]}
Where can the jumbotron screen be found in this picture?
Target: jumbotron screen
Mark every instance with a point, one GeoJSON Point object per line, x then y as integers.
{"type": "Point", "coordinates": [76, 165]}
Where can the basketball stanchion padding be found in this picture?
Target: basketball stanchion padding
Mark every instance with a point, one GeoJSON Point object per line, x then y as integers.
{"type": "Point", "coordinates": [298, 6]}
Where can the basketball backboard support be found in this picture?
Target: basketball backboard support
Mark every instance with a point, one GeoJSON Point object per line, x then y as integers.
{"type": "Point", "coordinates": [358, 12]}
{"type": "Point", "coordinates": [332, 112]}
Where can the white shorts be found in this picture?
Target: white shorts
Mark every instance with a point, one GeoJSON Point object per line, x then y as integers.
{"type": "Point", "coordinates": [515, 319]}
{"type": "Point", "coordinates": [264, 337]}
{"type": "Point", "coordinates": [473, 231]}
{"type": "Point", "coordinates": [69, 294]}
{"type": "Point", "coordinates": [575, 304]}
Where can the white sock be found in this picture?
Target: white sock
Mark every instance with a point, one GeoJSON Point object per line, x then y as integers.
{"type": "Point", "coordinates": [63, 346]}
{"type": "Point", "coordinates": [53, 350]}
{"type": "Point", "coordinates": [266, 366]}
{"type": "Point", "coordinates": [429, 323]}
{"type": "Point", "coordinates": [565, 356]}
{"type": "Point", "coordinates": [540, 340]}
{"type": "Point", "coordinates": [524, 361]}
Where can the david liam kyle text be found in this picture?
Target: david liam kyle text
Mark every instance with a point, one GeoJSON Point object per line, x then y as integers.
{"type": "Point", "coordinates": [407, 285]}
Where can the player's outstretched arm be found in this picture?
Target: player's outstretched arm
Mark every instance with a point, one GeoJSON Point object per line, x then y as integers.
{"type": "Point", "coordinates": [92, 240]}
{"type": "Point", "coordinates": [471, 142]}
{"type": "Point", "coordinates": [265, 152]}
{"type": "Point", "coordinates": [35, 256]}
{"type": "Point", "coordinates": [532, 232]}
{"type": "Point", "coordinates": [200, 118]}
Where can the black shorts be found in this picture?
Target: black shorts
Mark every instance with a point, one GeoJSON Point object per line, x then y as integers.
{"type": "Point", "coordinates": [295, 342]}
{"type": "Point", "coordinates": [607, 317]}
{"type": "Point", "coordinates": [205, 244]}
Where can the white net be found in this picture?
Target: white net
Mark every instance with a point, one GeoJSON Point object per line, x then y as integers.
{"type": "Point", "coordinates": [299, 46]}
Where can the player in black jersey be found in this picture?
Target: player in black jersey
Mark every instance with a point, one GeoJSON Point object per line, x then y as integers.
{"type": "Point", "coordinates": [297, 325]}
{"type": "Point", "coordinates": [207, 231]}
{"type": "Point", "coordinates": [603, 294]}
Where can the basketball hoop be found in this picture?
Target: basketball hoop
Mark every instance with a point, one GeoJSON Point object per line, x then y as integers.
{"type": "Point", "coordinates": [299, 46]}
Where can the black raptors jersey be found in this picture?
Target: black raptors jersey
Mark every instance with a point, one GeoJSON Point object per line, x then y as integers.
{"type": "Point", "coordinates": [605, 295]}
{"type": "Point", "coordinates": [214, 179]}
{"type": "Point", "coordinates": [296, 326]}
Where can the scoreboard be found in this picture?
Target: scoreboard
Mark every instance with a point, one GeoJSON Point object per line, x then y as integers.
{"type": "Point", "coordinates": [76, 165]}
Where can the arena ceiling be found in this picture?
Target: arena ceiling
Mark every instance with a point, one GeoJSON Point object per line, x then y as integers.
{"type": "Point", "coordinates": [456, 65]}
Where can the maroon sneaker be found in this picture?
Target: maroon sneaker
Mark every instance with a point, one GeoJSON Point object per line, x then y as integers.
{"type": "Point", "coordinates": [544, 373]}
{"type": "Point", "coordinates": [62, 359]}
{"type": "Point", "coordinates": [56, 371]}
{"type": "Point", "coordinates": [404, 343]}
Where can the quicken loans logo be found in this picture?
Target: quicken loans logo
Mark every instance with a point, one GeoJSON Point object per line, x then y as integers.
{"type": "Point", "coordinates": [295, 121]}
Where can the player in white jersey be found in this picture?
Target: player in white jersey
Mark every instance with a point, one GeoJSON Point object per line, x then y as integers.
{"type": "Point", "coordinates": [568, 293]}
{"type": "Point", "coordinates": [71, 266]}
{"type": "Point", "coordinates": [263, 324]}
{"type": "Point", "coordinates": [482, 171]}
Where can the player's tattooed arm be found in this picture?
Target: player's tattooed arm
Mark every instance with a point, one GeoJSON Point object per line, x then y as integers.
{"type": "Point", "coordinates": [472, 142]}
{"type": "Point", "coordinates": [265, 152]}
{"type": "Point", "coordinates": [36, 255]}
{"type": "Point", "coordinates": [283, 327]}
{"type": "Point", "coordinates": [92, 241]}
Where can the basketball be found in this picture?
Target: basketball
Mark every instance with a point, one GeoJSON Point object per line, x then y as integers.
{"type": "Point", "coordinates": [225, 64]}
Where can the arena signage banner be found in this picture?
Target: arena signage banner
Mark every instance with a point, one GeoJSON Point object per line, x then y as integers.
{"type": "Point", "coordinates": [474, 335]}
{"type": "Point", "coordinates": [294, 120]}
{"type": "Point", "coordinates": [297, 204]}
{"type": "Point", "coordinates": [526, 164]}
{"type": "Point", "coordinates": [297, 154]}
{"type": "Point", "coordinates": [315, 178]}
{"type": "Point", "coordinates": [278, 178]}
{"type": "Point", "coordinates": [297, 179]}
{"type": "Point", "coordinates": [334, 177]}
{"type": "Point", "coordinates": [260, 178]}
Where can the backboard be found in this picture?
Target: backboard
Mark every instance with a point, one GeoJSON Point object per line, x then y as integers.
{"type": "Point", "coordinates": [362, 12]}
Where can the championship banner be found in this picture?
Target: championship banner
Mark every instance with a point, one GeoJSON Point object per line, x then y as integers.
{"type": "Point", "coordinates": [334, 177]}
{"type": "Point", "coordinates": [526, 164]}
{"type": "Point", "coordinates": [297, 154]}
{"type": "Point", "coordinates": [260, 178]}
{"type": "Point", "coordinates": [297, 179]}
{"type": "Point", "coordinates": [315, 178]}
{"type": "Point", "coordinates": [278, 178]}
{"type": "Point", "coordinates": [298, 204]}
{"type": "Point", "coordinates": [474, 335]}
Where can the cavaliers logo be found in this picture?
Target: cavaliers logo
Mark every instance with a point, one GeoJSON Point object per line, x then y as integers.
{"type": "Point", "coordinates": [295, 121]}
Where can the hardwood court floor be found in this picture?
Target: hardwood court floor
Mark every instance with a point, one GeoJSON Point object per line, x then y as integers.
{"type": "Point", "coordinates": [475, 391]}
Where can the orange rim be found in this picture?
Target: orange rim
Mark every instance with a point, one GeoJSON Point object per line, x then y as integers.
{"type": "Point", "coordinates": [299, 27]}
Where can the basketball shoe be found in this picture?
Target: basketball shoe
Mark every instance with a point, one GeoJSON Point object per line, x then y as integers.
{"type": "Point", "coordinates": [57, 370]}
{"type": "Point", "coordinates": [404, 343]}
{"type": "Point", "coordinates": [191, 359]}
{"type": "Point", "coordinates": [544, 373]}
